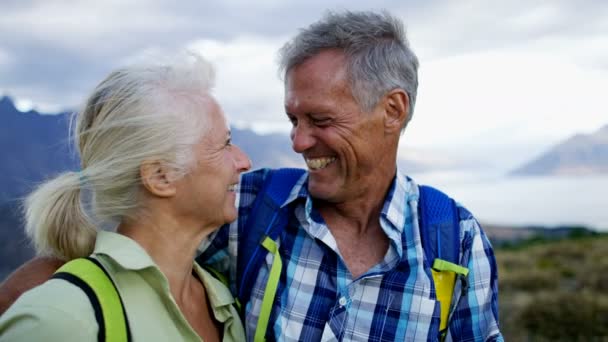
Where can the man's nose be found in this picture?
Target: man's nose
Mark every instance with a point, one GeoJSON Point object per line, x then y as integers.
{"type": "Point", "coordinates": [301, 138]}
{"type": "Point", "coordinates": [243, 163]}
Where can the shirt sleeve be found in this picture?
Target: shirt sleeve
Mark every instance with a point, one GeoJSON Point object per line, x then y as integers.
{"type": "Point", "coordinates": [49, 313]}
{"type": "Point", "coordinates": [476, 316]}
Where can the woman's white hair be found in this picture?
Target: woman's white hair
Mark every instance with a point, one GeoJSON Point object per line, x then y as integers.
{"type": "Point", "coordinates": [145, 112]}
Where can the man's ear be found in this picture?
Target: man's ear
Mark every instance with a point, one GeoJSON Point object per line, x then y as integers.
{"type": "Point", "coordinates": [156, 178]}
{"type": "Point", "coordinates": [397, 109]}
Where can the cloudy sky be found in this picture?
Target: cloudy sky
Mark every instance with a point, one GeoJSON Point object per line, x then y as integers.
{"type": "Point", "coordinates": [499, 80]}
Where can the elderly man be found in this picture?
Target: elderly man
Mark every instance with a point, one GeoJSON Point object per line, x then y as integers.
{"type": "Point", "coordinates": [352, 255]}
{"type": "Point", "coordinates": [352, 263]}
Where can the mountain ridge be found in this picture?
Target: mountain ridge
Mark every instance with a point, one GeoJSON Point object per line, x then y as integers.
{"type": "Point", "coordinates": [578, 155]}
{"type": "Point", "coordinates": [36, 146]}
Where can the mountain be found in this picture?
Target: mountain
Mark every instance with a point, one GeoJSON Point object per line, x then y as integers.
{"type": "Point", "coordinates": [15, 248]}
{"type": "Point", "coordinates": [32, 148]}
{"type": "Point", "coordinates": [582, 154]}
{"type": "Point", "coordinates": [35, 146]}
{"type": "Point", "coordinates": [269, 150]}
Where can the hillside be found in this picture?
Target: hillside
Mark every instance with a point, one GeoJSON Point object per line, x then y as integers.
{"type": "Point", "coordinates": [35, 146]}
{"type": "Point", "coordinates": [32, 147]}
{"type": "Point", "coordinates": [554, 290]}
{"type": "Point", "coordinates": [14, 246]}
{"type": "Point", "coordinates": [582, 154]}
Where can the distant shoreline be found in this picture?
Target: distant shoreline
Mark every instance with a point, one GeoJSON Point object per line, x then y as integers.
{"type": "Point", "coordinates": [508, 235]}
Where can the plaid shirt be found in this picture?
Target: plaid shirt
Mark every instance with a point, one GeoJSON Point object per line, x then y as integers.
{"type": "Point", "coordinates": [317, 298]}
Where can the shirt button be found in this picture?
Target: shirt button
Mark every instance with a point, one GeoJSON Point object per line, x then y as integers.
{"type": "Point", "coordinates": [342, 301]}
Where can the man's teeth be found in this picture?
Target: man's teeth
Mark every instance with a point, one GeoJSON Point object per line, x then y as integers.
{"type": "Point", "coordinates": [232, 187]}
{"type": "Point", "coordinates": [319, 163]}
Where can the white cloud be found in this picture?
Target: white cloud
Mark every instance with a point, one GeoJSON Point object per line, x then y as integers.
{"type": "Point", "coordinates": [537, 18]}
{"type": "Point", "coordinates": [452, 28]}
{"type": "Point", "coordinates": [248, 85]}
{"type": "Point", "coordinates": [89, 25]}
{"type": "Point", "coordinates": [484, 102]}
{"type": "Point", "coordinates": [493, 74]}
{"type": "Point", "coordinates": [5, 59]}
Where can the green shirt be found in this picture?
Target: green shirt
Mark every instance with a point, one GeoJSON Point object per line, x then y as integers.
{"type": "Point", "coordinates": [60, 311]}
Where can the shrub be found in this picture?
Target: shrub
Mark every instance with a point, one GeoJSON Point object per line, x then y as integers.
{"type": "Point", "coordinates": [529, 280]}
{"type": "Point", "coordinates": [566, 316]}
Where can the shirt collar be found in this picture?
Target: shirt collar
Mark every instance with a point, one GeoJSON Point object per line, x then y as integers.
{"type": "Point", "coordinates": [299, 190]}
{"type": "Point", "coordinates": [122, 249]}
{"type": "Point", "coordinates": [395, 214]}
{"type": "Point", "coordinates": [130, 255]}
{"type": "Point", "coordinates": [218, 293]}
{"type": "Point", "coordinates": [396, 209]}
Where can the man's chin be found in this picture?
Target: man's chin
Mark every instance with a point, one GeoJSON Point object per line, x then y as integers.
{"type": "Point", "coordinates": [321, 191]}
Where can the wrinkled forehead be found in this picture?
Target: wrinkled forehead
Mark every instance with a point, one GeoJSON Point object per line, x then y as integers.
{"type": "Point", "coordinates": [215, 114]}
{"type": "Point", "coordinates": [326, 64]}
{"type": "Point", "coordinates": [323, 72]}
{"type": "Point", "coordinates": [319, 84]}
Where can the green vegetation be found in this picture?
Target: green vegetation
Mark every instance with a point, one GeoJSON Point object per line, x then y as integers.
{"type": "Point", "coordinates": [555, 290]}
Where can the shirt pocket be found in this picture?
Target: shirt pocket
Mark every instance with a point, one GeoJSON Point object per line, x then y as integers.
{"type": "Point", "coordinates": [411, 319]}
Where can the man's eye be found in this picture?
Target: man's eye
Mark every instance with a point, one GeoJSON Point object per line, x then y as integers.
{"type": "Point", "coordinates": [293, 120]}
{"type": "Point", "coordinates": [321, 121]}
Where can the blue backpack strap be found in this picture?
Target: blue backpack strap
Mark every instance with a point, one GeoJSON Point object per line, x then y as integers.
{"type": "Point", "coordinates": [267, 219]}
{"type": "Point", "coordinates": [439, 225]}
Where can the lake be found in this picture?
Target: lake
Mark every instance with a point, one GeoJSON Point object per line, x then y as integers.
{"type": "Point", "coordinates": [542, 200]}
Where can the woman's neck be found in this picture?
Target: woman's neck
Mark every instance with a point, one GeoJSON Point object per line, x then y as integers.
{"type": "Point", "coordinates": [171, 243]}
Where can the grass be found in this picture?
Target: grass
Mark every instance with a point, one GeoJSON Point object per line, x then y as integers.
{"type": "Point", "coordinates": [554, 290]}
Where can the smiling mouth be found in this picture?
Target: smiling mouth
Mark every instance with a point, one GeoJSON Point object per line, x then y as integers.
{"type": "Point", "coordinates": [319, 163]}
{"type": "Point", "coordinates": [233, 187]}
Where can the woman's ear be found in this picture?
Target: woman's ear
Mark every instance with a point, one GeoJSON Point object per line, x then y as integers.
{"type": "Point", "coordinates": [156, 178]}
{"type": "Point", "coordinates": [397, 108]}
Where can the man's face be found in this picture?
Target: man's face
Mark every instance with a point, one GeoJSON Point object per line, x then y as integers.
{"type": "Point", "coordinates": [345, 148]}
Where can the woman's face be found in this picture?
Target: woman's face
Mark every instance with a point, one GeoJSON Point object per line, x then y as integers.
{"type": "Point", "coordinates": [209, 189]}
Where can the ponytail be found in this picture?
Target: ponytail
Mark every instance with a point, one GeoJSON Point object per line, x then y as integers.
{"type": "Point", "coordinates": [56, 221]}
{"type": "Point", "coordinates": [137, 114]}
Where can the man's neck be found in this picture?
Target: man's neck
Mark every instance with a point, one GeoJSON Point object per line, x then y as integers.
{"type": "Point", "coordinates": [355, 225]}
{"type": "Point", "coordinates": [356, 229]}
{"type": "Point", "coordinates": [360, 212]}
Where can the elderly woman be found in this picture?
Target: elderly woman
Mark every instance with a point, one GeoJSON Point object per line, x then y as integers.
{"type": "Point", "coordinates": [158, 167]}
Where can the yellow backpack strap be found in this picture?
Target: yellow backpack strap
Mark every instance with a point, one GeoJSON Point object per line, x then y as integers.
{"type": "Point", "coordinates": [444, 276]}
{"type": "Point", "coordinates": [271, 289]}
{"type": "Point", "coordinates": [90, 276]}
{"type": "Point", "coordinates": [443, 265]}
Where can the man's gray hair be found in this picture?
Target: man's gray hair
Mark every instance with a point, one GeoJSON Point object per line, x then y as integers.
{"type": "Point", "coordinates": [378, 55]}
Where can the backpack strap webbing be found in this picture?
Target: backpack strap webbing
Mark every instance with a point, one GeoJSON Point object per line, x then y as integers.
{"type": "Point", "coordinates": [439, 230]}
{"type": "Point", "coordinates": [90, 276]}
{"type": "Point", "coordinates": [439, 225]}
{"type": "Point", "coordinates": [440, 234]}
{"type": "Point", "coordinates": [258, 237]}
